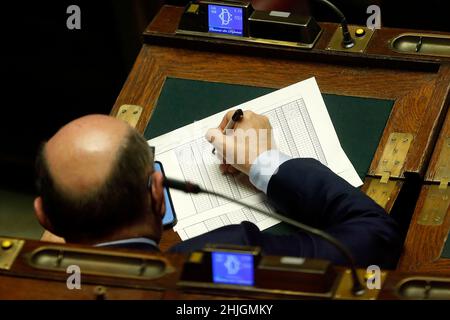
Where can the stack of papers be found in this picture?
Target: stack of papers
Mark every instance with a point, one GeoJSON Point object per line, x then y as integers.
{"type": "Point", "coordinates": [302, 128]}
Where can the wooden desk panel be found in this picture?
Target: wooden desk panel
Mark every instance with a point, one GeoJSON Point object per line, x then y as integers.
{"type": "Point", "coordinates": [18, 288]}
{"type": "Point", "coordinates": [425, 242]}
{"type": "Point", "coordinates": [417, 84]}
{"type": "Point", "coordinates": [23, 281]}
{"type": "Point", "coordinates": [414, 110]}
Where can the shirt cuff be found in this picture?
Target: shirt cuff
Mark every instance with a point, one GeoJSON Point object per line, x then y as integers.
{"type": "Point", "coordinates": [264, 167]}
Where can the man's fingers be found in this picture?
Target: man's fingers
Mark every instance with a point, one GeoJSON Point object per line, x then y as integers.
{"type": "Point", "coordinates": [216, 138]}
{"type": "Point", "coordinates": [232, 170]}
{"type": "Point", "coordinates": [226, 119]}
{"type": "Point", "coordinates": [228, 169]}
{"type": "Point", "coordinates": [224, 145]}
{"type": "Point", "coordinates": [212, 134]}
{"type": "Point", "coordinates": [223, 168]}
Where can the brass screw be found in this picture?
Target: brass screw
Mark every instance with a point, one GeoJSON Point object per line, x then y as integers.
{"type": "Point", "coordinates": [100, 293]}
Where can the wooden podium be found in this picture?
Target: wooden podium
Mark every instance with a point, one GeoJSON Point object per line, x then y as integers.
{"type": "Point", "coordinates": [408, 171]}
{"type": "Point", "coordinates": [417, 85]}
{"type": "Point", "coordinates": [426, 247]}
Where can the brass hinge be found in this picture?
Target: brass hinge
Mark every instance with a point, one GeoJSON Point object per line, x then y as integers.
{"type": "Point", "coordinates": [130, 114]}
{"type": "Point", "coordinates": [381, 193]}
{"type": "Point", "coordinates": [391, 164]}
{"type": "Point", "coordinates": [442, 174]}
{"type": "Point", "coordinates": [437, 200]}
{"type": "Point", "coordinates": [394, 156]}
{"type": "Point", "coordinates": [435, 206]}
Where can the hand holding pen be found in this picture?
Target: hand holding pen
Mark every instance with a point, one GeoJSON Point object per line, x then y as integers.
{"type": "Point", "coordinates": [239, 148]}
{"type": "Point", "coordinates": [237, 115]}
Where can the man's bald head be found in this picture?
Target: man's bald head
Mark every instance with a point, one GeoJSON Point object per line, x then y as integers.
{"type": "Point", "coordinates": [92, 177]}
{"type": "Point", "coordinates": [81, 155]}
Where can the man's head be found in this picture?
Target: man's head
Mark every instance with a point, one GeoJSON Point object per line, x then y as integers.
{"type": "Point", "coordinates": [92, 180]}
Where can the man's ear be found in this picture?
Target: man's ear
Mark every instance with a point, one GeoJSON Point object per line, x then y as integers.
{"type": "Point", "coordinates": [157, 194]}
{"type": "Point", "coordinates": [40, 214]}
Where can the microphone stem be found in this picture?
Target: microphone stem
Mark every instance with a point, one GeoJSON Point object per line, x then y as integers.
{"type": "Point", "coordinates": [347, 41]}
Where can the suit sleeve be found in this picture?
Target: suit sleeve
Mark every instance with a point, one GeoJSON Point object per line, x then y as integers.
{"type": "Point", "coordinates": [309, 192]}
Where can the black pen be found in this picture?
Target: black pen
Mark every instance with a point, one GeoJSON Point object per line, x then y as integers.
{"type": "Point", "coordinates": [237, 115]}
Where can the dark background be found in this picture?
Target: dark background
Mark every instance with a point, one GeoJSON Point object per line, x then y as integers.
{"type": "Point", "coordinates": [51, 75]}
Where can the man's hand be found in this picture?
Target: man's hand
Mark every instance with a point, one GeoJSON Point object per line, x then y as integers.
{"type": "Point", "coordinates": [240, 147]}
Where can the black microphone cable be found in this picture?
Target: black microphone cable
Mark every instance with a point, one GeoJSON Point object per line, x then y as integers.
{"type": "Point", "coordinates": [188, 187]}
{"type": "Point", "coordinates": [347, 41]}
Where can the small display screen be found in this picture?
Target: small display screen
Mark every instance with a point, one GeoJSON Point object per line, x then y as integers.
{"type": "Point", "coordinates": [232, 268]}
{"type": "Point", "coordinates": [225, 20]}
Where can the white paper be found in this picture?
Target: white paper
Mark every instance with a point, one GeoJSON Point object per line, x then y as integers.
{"type": "Point", "coordinates": [302, 128]}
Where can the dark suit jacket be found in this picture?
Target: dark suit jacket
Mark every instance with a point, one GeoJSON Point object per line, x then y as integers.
{"type": "Point", "coordinates": [309, 192]}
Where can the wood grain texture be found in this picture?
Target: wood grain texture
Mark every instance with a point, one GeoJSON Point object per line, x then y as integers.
{"type": "Point", "coordinates": [430, 121]}
{"type": "Point", "coordinates": [163, 29]}
{"type": "Point", "coordinates": [424, 243]}
{"type": "Point", "coordinates": [17, 288]}
{"type": "Point", "coordinates": [420, 96]}
{"type": "Point", "coordinates": [35, 283]}
{"type": "Point", "coordinates": [22, 268]}
{"type": "Point", "coordinates": [391, 289]}
{"type": "Point", "coordinates": [421, 112]}
{"type": "Point", "coordinates": [169, 239]}
{"type": "Point", "coordinates": [443, 135]}
{"type": "Point", "coordinates": [411, 90]}
{"type": "Point", "coordinates": [25, 282]}
{"type": "Point", "coordinates": [381, 41]}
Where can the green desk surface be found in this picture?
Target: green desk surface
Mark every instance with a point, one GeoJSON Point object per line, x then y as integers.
{"type": "Point", "coordinates": [446, 250]}
{"type": "Point", "coordinates": [359, 122]}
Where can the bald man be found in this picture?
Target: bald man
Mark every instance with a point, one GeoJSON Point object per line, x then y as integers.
{"type": "Point", "coordinates": [92, 178]}
{"type": "Point", "coordinates": [92, 181]}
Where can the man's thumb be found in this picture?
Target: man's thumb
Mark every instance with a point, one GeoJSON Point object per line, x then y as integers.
{"type": "Point", "coordinates": [219, 141]}
{"type": "Point", "coordinates": [214, 136]}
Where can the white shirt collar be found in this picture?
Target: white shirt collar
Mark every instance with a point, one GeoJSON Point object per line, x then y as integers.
{"type": "Point", "coordinates": [126, 241]}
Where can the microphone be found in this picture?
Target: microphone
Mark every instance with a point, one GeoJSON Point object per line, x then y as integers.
{"type": "Point", "coordinates": [182, 185]}
{"type": "Point", "coordinates": [347, 41]}
{"type": "Point", "coordinates": [188, 187]}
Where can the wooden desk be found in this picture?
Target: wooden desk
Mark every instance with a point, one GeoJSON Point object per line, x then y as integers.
{"type": "Point", "coordinates": [417, 84]}
{"type": "Point", "coordinates": [25, 280]}
{"type": "Point", "coordinates": [430, 224]}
